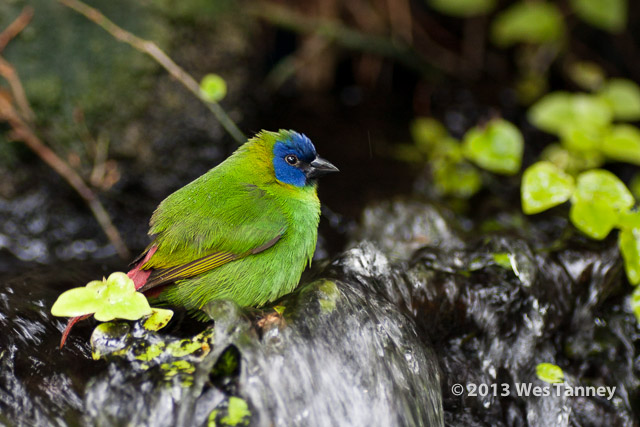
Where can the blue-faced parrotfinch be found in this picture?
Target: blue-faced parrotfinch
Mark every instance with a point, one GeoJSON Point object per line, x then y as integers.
{"type": "Point", "coordinates": [243, 231]}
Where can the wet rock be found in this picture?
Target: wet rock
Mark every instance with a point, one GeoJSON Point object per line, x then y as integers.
{"type": "Point", "coordinates": [400, 227]}
{"type": "Point", "coordinates": [339, 353]}
{"type": "Point", "coordinates": [503, 302]}
{"type": "Point", "coordinates": [364, 343]}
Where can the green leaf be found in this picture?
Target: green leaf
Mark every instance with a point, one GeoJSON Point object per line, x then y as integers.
{"type": "Point", "coordinates": [213, 88]}
{"type": "Point", "coordinates": [158, 319]}
{"type": "Point", "coordinates": [111, 298]}
{"type": "Point", "coordinates": [635, 302]}
{"type": "Point", "coordinates": [503, 259]}
{"type": "Point", "coordinates": [556, 111]}
{"type": "Point", "coordinates": [528, 22]}
{"type": "Point", "coordinates": [118, 287]}
{"type": "Point", "coordinates": [624, 98]}
{"type": "Point", "coordinates": [598, 200]}
{"type": "Point", "coordinates": [596, 221]}
{"type": "Point", "coordinates": [603, 187]}
{"type": "Point", "coordinates": [76, 302]}
{"type": "Point", "coordinates": [629, 242]}
{"type": "Point", "coordinates": [456, 179]}
{"type": "Point", "coordinates": [426, 132]}
{"type": "Point", "coordinates": [550, 373]}
{"type": "Point", "coordinates": [622, 143]}
{"type": "Point", "coordinates": [583, 137]}
{"type": "Point", "coordinates": [497, 147]}
{"type": "Point", "coordinates": [610, 15]}
{"type": "Point", "coordinates": [544, 186]}
{"type": "Point", "coordinates": [131, 308]}
{"type": "Point", "coordinates": [462, 8]}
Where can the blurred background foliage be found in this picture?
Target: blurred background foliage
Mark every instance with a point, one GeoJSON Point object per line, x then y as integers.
{"type": "Point", "coordinates": [449, 99]}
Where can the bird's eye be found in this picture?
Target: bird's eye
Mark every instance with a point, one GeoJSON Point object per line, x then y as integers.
{"type": "Point", "coordinates": [291, 159]}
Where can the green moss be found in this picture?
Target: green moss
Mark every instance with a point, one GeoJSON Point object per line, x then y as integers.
{"type": "Point", "coordinates": [238, 412]}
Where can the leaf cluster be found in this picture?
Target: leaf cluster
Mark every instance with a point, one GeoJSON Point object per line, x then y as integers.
{"type": "Point", "coordinates": [495, 146]}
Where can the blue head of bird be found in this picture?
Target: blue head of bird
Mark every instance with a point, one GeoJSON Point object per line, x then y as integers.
{"type": "Point", "coordinates": [296, 162]}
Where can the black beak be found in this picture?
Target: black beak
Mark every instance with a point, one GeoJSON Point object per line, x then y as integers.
{"type": "Point", "coordinates": [319, 167]}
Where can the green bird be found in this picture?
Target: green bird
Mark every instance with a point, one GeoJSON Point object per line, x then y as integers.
{"type": "Point", "coordinates": [243, 231]}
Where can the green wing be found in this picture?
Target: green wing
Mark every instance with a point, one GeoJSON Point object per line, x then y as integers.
{"type": "Point", "coordinates": [199, 228]}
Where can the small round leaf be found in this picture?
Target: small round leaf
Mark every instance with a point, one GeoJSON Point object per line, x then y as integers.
{"type": "Point", "coordinates": [544, 186]}
{"type": "Point", "coordinates": [131, 308]}
{"type": "Point", "coordinates": [158, 319]}
{"type": "Point", "coordinates": [624, 98]}
{"type": "Point", "coordinates": [528, 22]}
{"type": "Point", "coordinates": [556, 111]}
{"type": "Point", "coordinates": [610, 15]}
{"type": "Point", "coordinates": [622, 143]}
{"type": "Point", "coordinates": [597, 202]}
{"type": "Point", "coordinates": [76, 302]}
{"type": "Point", "coordinates": [549, 373]}
{"type": "Point", "coordinates": [497, 147]}
{"type": "Point", "coordinates": [213, 88]}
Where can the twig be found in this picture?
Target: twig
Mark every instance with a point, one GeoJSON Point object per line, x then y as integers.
{"type": "Point", "coordinates": [16, 27]}
{"type": "Point", "coordinates": [22, 131]}
{"type": "Point", "coordinates": [7, 71]}
{"type": "Point", "coordinates": [162, 58]}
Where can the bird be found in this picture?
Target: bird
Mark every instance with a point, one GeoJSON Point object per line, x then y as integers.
{"type": "Point", "coordinates": [244, 231]}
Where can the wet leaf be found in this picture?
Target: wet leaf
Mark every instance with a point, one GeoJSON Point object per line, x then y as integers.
{"type": "Point", "coordinates": [213, 88]}
{"type": "Point", "coordinates": [111, 298]}
{"type": "Point", "coordinates": [549, 373]}
{"type": "Point", "coordinates": [528, 22]}
{"type": "Point", "coordinates": [544, 186]}
{"type": "Point", "coordinates": [497, 147]}
{"type": "Point", "coordinates": [462, 8]}
{"type": "Point", "coordinates": [597, 202]}
{"type": "Point", "coordinates": [610, 15]}
{"type": "Point", "coordinates": [622, 143]}
{"type": "Point", "coordinates": [503, 259]}
{"type": "Point", "coordinates": [629, 242]}
{"type": "Point", "coordinates": [131, 307]}
{"type": "Point", "coordinates": [556, 111]}
{"type": "Point", "coordinates": [624, 98]}
{"type": "Point", "coordinates": [158, 319]}
{"type": "Point", "coordinates": [76, 302]}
